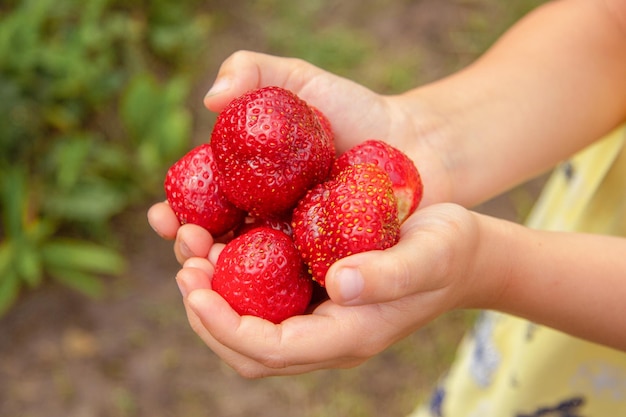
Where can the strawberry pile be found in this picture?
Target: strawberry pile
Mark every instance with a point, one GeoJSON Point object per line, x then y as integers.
{"type": "Point", "coordinates": [269, 178]}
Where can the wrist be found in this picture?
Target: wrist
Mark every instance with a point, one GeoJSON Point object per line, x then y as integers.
{"type": "Point", "coordinates": [490, 270]}
{"type": "Point", "coordinates": [424, 134]}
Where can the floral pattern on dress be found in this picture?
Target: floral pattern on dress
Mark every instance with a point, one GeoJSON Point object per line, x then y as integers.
{"type": "Point", "coordinates": [568, 408]}
{"type": "Point", "coordinates": [436, 402]}
{"type": "Point", "coordinates": [601, 379]}
{"type": "Point", "coordinates": [485, 358]}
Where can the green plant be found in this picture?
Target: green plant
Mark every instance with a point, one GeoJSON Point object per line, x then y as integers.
{"type": "Point", "coordinates": [294, 30]}
{"type": "Point", "coordinates": [93, 111]}
{"type": "Point", "coordinates": [30, 247]}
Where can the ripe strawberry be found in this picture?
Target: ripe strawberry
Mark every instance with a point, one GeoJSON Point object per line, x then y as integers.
{"type": "Point", "coordinates": [355, 211]}
{"type": "Point", "coordinates": [282, 224]}
{"type": "Point", "coordinates": [325, 125]}
{"type": "Point", "coordinates": [406, 180]}
{"type": "Point", "coordinates": [270, 148]}
{"type": "Point", "coordinates": [261, 273]}
{"type": "Point", "coordinates": [193, 192]}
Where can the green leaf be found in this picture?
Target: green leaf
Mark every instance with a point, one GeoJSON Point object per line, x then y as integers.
{"type": "Point", "coordinates": [77, 255]}
{"type": "Point", "coordinates": [176, 91]}
{"type": "Point", "coordinates": [175, 133]}
{"type": "Point", "coordinates": [69, 157]}
{"type": "Point", "coordinates": [113, 159]}
{"type": "Point", "coordinates": [93, 200]}
{"type": "Point", "coordinates": [138, 104]}
{"type": "Point", "coordinates": [39, 230]}
{"type": "Point", "coordinates": [28, 264]}
{"type": "Point", "coordinates": [157, 119]}
{"type": "Point", "coordinates": [7, 254]}
{"type": "Point", "coordinates": [12, 200]}
{"type": "Point", "coordinates": [83, 282]}
{"type": "Point", "coordinates": [9, 289]}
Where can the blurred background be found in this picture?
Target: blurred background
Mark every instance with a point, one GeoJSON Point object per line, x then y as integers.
{"type": "Point", "coordinates": [97, 99]}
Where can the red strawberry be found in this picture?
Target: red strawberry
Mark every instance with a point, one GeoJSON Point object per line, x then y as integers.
{"type": "Point", "coordinates": [261, 273]}
{"type": "Point", "coordinates": [354, 212]}
{"type": "Point", "coordinates": [406, 180]}
{"type": "Point", "coordinates": [270, 148]}
{"type": "Point", "coordinates": [325, 125]}
{"type": "Point", "coordinates": [195, 195]}
{"type": "Point", "coordinates": [281, 224]}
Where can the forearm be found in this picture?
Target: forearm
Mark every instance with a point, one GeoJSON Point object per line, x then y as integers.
{"type": "Point", "coordinates": [572, 282]}
{"type": "Point", "coordinates": [551, 85]}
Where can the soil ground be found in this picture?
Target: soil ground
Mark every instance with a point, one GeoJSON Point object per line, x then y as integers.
{"type": "Point", "coordinates": [132, 353]}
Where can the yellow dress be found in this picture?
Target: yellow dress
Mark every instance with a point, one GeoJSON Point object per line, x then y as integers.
{"type": "Point", "coordinates": [509, 367]}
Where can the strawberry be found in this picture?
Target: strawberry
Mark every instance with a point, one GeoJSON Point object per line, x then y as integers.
{"type": "Point", "coordinates": [261, 273]}
{"type": "Point", "coordinates": [325, 123]}
{"type": "Point", "coordinates": [406, 180]}
{"type": "Point", "coordinates": [282, 224]}
{"type": "Point", "coordinates": [270, 148]}
{"type": "Point", "coordinates": [194, 193]}
{"type": "Point", "coordinates": [355, 211]}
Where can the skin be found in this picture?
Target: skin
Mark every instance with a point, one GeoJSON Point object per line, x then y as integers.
{"type": "Point", "coordinates": [553, 84]}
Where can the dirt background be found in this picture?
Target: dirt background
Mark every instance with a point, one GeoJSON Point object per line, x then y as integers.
{"type": "Point", "coordinates": [132, 353]}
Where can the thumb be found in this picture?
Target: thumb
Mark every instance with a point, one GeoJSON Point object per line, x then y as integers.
{"type": "Point", "coordinates": [372, 277]}
{"type": "Point", "coordinates": [429, 257]}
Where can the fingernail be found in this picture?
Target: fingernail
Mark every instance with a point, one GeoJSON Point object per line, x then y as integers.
{"type": "Point", "coordinates": [350, 283]}
{"type": "Point", "coordinates": [185, 251]}
{"type": "Point", "coordinates": [182, 285]}
{"type": "Point", "coordinates": [221, 85]}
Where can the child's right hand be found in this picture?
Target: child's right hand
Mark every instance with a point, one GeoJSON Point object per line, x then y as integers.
{"type": "Point", "coordinates": [376, 298]}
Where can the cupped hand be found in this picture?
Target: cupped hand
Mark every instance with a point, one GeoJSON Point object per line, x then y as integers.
{"type": "Point", "coordinates": [376, 299]}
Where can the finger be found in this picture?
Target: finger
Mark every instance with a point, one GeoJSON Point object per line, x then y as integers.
{"type": "Point", "coordinates": [202, 264]}
{"type": "Point", "coordinates": [325, 339]}
{"type": "Point", "coordinates": [245, 70]}
{"type": "Point", "coordinates": [243, 364]}
{"type": "Point", "coordinates": [215, 251]}
{"type": "Point", "coordinates": [192, 280]}
{"type": "Point", "coordinates": [256, 348]}
{"type": "Point", "coordinates": [162, 219]}
{"type": "Point", "coordinates": [192, 241]}
{"type": "Point", "coordinates": [425, 259]}
{"type": "Point", "coordinates": [196, 274]}
{"type": "Point", "coordinates": [195, 279]}
{"type": "Point", "coordinates": [301, 343]}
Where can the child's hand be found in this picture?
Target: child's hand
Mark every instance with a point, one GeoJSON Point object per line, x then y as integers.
{"type": "Point", "coordinates": [376, 298]}
{"type": "Point", "coordinates": [190, 240]}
